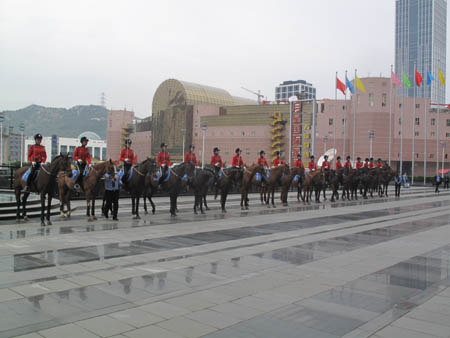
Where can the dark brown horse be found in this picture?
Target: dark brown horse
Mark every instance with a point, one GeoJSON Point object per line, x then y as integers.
{"type": "Point", "coordinates": [229, 177]}
{"type": "Point", "coordinates": [201, 181]}
{"type": "Point", "coordinates": [179, 177]}
{"type": "Point", "coordinates": [314, 182]}
{"type": "Point", "coordinates": [246, 184]}
{"type": "Point", "coordinates": [136, 183]}
{"type": "Point", "coordinates": [275, 177]}
{"type": "Point", "coordinates": [44, 185]}
{"type": "Point", "coordinates": [293, 179]}
{"type": "Point", "coordinates": [91, 184]}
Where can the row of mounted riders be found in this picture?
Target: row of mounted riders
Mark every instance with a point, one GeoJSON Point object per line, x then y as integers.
{"type": "Point", "coordinates": [146, 177]}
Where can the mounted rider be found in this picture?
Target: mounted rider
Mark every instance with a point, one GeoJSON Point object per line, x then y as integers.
{"type": "Point", "coordinates": [379, 164]}
{"type": "Point", "coordinates": [298, 162]}
{"type": "Point", "coordinates": [36, 156]}
{"type": "Point", "coordinates": [338, 163]}
{"type": "Point", "coordinates": [347, 163]}
{"type": "Point", "coordinates": [190, 156]}
{"type": "Point", "coordinates": [82, 157]}
{"type": "Point", "coordinates": [163, 160]}
{"type": "Point", "coordinates": [371, 164]}
{"type": "Point", "coordinates": [127, 157]}
{"type": "Point", "coordinates": [359, 164]}
{"type": "Point", "coordinates": [216, 160]}
{"type": "Point", "coordinates": [366, 163]}
{"type": "Point", "coordinates": [312, 164]}
{"type": "Point", "coordinates": [237, 159]}
{"type": "Point", "coordinates": [262, 160]}
{"type": "Point", "coordinates": [325, 164]}
{"type": "Point", "coordinates": [277, 161]}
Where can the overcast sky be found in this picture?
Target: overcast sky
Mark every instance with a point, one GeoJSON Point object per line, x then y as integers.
{"type": "Point", "coordinates": [65, 53]}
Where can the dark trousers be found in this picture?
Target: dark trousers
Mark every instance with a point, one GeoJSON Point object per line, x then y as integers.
{"type": "Point", "coordinates": [397, 189]}
{"type": "Point", "coordinates": [80, 167]}
{"type": "Point", "coordinates": [437, 186]}
{"type": "Point", "coordinates": [32, 174]}
{"type": "Point", "coordinates": [112, 202]}
{"type": "Point", "coordinates": [446, 184]}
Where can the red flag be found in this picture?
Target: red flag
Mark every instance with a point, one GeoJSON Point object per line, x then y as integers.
{"type": "Point", "coordinates": [341, 86]}
{"type": "Point", "coordinates": [419, 79]}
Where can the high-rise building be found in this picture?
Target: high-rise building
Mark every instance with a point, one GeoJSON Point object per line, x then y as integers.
{"type": "Point", "coordinates": [421, 40]}
{"type": "Point", "coordinates": [299, 88]}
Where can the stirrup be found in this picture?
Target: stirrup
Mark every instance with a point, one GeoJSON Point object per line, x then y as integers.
{"type": "Point", "coordinates": [77, 187]}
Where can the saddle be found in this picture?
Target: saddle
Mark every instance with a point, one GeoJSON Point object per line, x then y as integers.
{"type": "Point", "coordinates": [124, 179]}
{"type": "Point", "coordinates": [28, 172]}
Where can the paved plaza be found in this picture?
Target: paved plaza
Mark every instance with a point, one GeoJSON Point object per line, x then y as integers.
{"type": "Point", "coordinates": [368, 268]}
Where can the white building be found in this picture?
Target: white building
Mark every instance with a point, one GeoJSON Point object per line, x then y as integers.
{"type": "Point", "coordinates": [54, 145]}
{"type": "Point", "coordinates": [298, 88]}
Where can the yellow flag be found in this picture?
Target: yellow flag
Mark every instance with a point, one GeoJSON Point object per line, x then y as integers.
{"type": "Point", "coordinates": [360, 85]}
{"type": "Point", "coordinates": [441, 77]}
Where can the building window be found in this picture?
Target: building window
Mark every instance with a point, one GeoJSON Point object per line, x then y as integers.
{"type": "Point", "coordinates": [445, 156]}
{"type": "Point", "coordinates": [433, 122]}
{"type": "Point", "coordinates": [400, 105]}
{"type": "Point", "coordinates": [283, 89]}
{"type": "Point", "coordinates": [343, 121]}
{"type": "Point", "coordinates": [63, 149]}
{"type": "Point", "coordinates": [433, 133]}
{"type": "Point", "coordinates": [383, 100]}
{"type": "Point", "coordinates": [104, 154]}
{"type": "Point", "coordinates": [417, 105]}
{"type": "Point", "coordinates": [416, 133]}
{"type": "Point", "coordinates": [243, 133]}
{"type": "Point", "coordinates": [447, 134]}
{"type": "Point", "coordinates": [371, 102]}
{"type": "Point", "coordinates": [247, 151]}
{"type": "Point", "coordinates": [417, 121]}
{"type": "Point", "coordinates": [431, 155]}
{"type": "Point", "coordinates": [399, 120]}
{"type": "Point", "coordinates": [322, 107]}
{"type": "Point", "coordinates": [253, 133]}
{"type": "Point", "coordinates": [417, 155]}
{"type": "Point", "coordinates": [448, 123]}
{"type": "Point", "coordinates": [330, 122]}
{"type": "Point", "coordinates": [97, 153]}
{"type": "Point", "coordinates": [71, 149]}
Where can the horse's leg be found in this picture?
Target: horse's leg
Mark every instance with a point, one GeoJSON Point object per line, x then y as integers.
{"type": "Point", "coordinates": [153, 204]}
{"type": "Point", "coordinates": [133, 204]}
{"type": "Point", "coordinates": [172, 206]}
{"type": "Point", "coordinates": [18, 204]}
{"type": "Point", "coordinates": [204, 200]}
{"type": "Point", "coordinates": [200, 199]}
{"type": "Point", "coordinates": [195, 203]}
{"type": "Point", "coordinates": [88, 209]}
{"type": "Point", "coordinates": [93, 208]}
{"type": "Point", "coordinates": [273, 196]}
{"type": "Point", "coordinates": [42, 208]}
{"type": "Point", "coordinates": [137, 196]}
{"type": "Point", "coordinates": [49, 208]}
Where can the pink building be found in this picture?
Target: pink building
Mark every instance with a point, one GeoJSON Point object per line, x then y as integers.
{"type": "Point", "coordinates": [142, 139]}
{"type": "Point", "coordinates": [117, 131]}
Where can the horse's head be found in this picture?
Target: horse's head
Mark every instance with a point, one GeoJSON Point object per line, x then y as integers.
{"type": "Point", "coordinates": [109, 167]}
{"type": "Point", "coordinates": [61, 163]}
{"type": "Point", "coordinates": [149, 166]}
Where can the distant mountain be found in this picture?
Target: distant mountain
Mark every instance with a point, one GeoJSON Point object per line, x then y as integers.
{"type": "Point", "coordinates": [59, 121]}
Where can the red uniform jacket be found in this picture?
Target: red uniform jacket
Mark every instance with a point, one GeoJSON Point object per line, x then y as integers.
{"type": "Point", "coordinates": [348, 164]}
{"type": "Point", "coordinates": [366, 164]}
{"type": "Point", "coordinates": [263, 161]}
{"type": "Point", "coordinates": [190, 157]}
{"type": "Point", "coordinates": [82, 153]}
{"type": "Point", "coordinates": [379, 165]}
{"type": "Point", "coordinates": [298, 164]}
{"type": "Point", "coordinates": [370, 164]}
{"type": "Point", "coordinates": [312, 165]}
{"type": "Point", "coordinates": [37, 153]}
{"type": "Point", "coordinates": [277, 162]}
{"type": "Point", "coordinates": [163, 158]}
{"type": "Point", "coordinates": [359, 164]}
{"type": "Point", "coordinates": [128, 154]}
{"type": "Point", "coordinates": [215, 160]}
{"type": "Point", "coordinates": [326, 164]}
{"type": "Point", "coordinates": [338, 165]}
{"type": "Point", "coordinates": [237, 161]}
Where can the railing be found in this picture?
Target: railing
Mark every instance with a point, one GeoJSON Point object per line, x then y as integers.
{"type": "Point", "coordinates": [7, 176]}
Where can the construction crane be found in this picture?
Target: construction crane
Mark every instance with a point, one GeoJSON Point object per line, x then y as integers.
{"type": "Point", "coordinates": [258, 94]}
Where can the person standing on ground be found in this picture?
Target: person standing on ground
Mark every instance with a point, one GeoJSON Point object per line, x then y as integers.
{"type": "Point", "coordinates": [398, 185]}
{"type": "Point", "coordinates": [437, 181]}
{"type": "Point", "coordinates": [112, 195]}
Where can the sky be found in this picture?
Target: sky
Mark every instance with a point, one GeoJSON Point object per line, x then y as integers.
{"type": "Point", "coordinates": [65, 53]}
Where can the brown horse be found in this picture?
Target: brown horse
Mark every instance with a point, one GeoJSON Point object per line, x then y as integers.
{"type": "Point", "coordinates": [247, 178]}
{"type": "Point", "coordinates": [65, 188]}
{"type": "Point", "coordinates": [275, 177]}
{"type": "Point", "coordinates": [314, 182]}
{"type": "Point", "coordinates": [91, 184]}
{"type": "Point", "coordinates": [44, 185]}
{"type": "Point", "coordinates": [293, 179]}
{"type": "Point", "coordinates": [180, 177]}
{"type": "Point", "coordinates": [229, 177]}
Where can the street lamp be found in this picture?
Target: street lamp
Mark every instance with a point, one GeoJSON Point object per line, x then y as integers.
{"type": "Point", "coordinates": [183, 134]}
{"type": "Point", "coordinates": [325, 139]}
{"type": "Point", "coordinates": [204, 127]}
{"type": "Point", "coordinates": [22, 150]}
{"type": "Point", "coordinates": [2, 118]}
{"type": "Point", "coordinates": [443, 148]}
{"type": "Point", "coordinates": [371, 137]}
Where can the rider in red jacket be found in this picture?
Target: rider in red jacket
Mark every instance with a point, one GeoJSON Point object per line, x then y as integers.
{"type": "Point", "coordinates": [325, 163]}
{"type": "Point", "coordinates": [262, 161]}
{"type": "Point", "coordinates": [237, 159]}
{"type": "Point", "coordinates": [127, 157]}
{"type": "Point", "coordinates": [82, 157]}
{"type": "Point", "coordinates": [36, 156]}
{"type": "Point", "coordinates": [190, 156]}
{"type": "Point", "coordinates": [163, 160]}
{"type": "Point", "coordinates": [312, 165]}
{"type": "Point", "coordinates": [277, 161]}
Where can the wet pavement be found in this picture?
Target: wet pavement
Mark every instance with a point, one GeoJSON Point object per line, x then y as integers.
{"type": "Point", "coordinates": [374, 267]}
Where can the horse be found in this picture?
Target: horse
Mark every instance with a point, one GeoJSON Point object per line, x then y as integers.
{"type": "Point", "coordinates": [274, 179]}
{"type": "Point", "coordinates": [91, 182]}
{"type": "Point", "coordinates": [65, 188]}
{"type": "Point", "coordinates": [225, 182]}
{"type": "Point", "coordinates": [386, 174]}
{"type": "Point", "coordinates": [177, 178]}
{"type": "Point", "coordinates": [45, 185]}
{"type": "Point", "coordinates": [202, 180]}
{"type": "Point", "coordinates": [136, 182]}
{"type": "Point", "coordinates": [248, 175]}
{"type": "Point", "coordinates": [294, 179]}
{"type": "Point", "coordinates": [314, 181]}
{"type": "Point", "coordinates": [336, 179]}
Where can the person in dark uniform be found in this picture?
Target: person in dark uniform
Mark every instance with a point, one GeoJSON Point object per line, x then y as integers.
{"type": "Point", "coordinates": [398, 184]}
{"type": "Point", "coordinates": [437, 182]}
{"type": "Point", "coordinates": [36, 156]}
{"type": "Point", "coordinates": [111, 195]}
{"type": "Point", "coordinates": [446, 181]}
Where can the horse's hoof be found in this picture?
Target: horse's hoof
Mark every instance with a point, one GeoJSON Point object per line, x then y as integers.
{"type": "Point", "coordinates": [202, 212]}
{"type": "Point", "coordinates": [137, 217]}
{"type": "Point", "coordinates": [224, 211]}
{"type": "Point", "coordinates": [90, 219]}
{"type": "Point", "coordinates": [145, 212]}
{"type": "Point", "coordinates": [42, 224]}
{"type": "Point", "coordinates": [17, 220]}
{"type": "Point", "coordinates": [274, 206]}
{"type": "Point", "coordinates": [49, 222]}
{"type": "Point", "coordinates": [94, 218]}
{"type": "Point", "coordinates": [25, 218]}
{"type": "Point", "coordinates": [62, 214]}
{"type": "Point", "coordinates": [246, 208]}
{"type": "Point", "coordinates": [242, 208]}
{"type": "Point", "coordinates": [195, 212]}
{"type": "Point", "coordinates": [153, 212]}
{"type": "Point", "coordinates": [173, 215]}
{"type": "Point", "coordinates": [206, 208]}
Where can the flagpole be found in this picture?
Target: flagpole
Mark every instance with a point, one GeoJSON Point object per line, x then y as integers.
{"type": "Point", "coordinates": [390, 118]}
{"type": "Point", "coordinates": [437, 139]}
{"type": "Point", "coordinates": [401, 135]}
{"type": "Point", "coordinates": [413, 128]}
{"type": "Point", "coordinates": [354, 122]}
{"type": "Point", "coordinates": [425, 144]}
{"type": "Point", "coordinates": [345, 121]}
{"type": "Point", "coordinates": [334, 120]}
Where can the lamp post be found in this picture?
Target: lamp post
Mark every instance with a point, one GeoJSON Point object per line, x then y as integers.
{"type": "Point", "coordinates": [371, 137]}
{"type": "Point", "coordinates": [443, 148]}
{"type": "Point", "coordinates": [183, 134]}
{"type": "Point", "coordinates": [2, 118]}
{"type": "Point", "coordinates": [204, 127]}
{"type": "Point", "coordinates": [22, 150]}
{"type": "Point", "coordinates": [325, 140]}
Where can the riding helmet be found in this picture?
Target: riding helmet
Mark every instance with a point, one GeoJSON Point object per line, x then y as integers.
{"type": "Point", "coordinates": [338, 158]}
{"type": "Point", "coordinates": [128, 141]}
{"type": "Point", "coordinates": [348, 157]}
{"type": "Point", "coordinates": [38, 136]}
{"type": "Point", "coordinates": [84, 138]}
{"type": "Point", "coordinates": [277, 153]}
{"type": "Point", "coordinates": [191, 146]}
{"type": "Point", "coordinates": [379, 160]}
{"type": "Point", "coordinates": [367, 159]}
{"type": "Point", "coordinates": [237, 150]}
{"type": "Point", "coordinates": [358, 158]}
{"type": "Point", "coordinates": [163, 145]}
{"type": "Point", "coordinates": [216, 149]}
{"type": "Point", "coordinates": [371, 158]}
{"type": "Point", "coordinates": [311, 157]}
{"type": "Point", "coordinates": [326, 156]}
{"type": "Point", "coordinates": [261, 152]}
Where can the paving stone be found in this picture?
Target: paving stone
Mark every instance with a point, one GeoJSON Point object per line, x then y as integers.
{"type": "Point", "coordinates": [7, 294]}
{"type": "Point", "coordinates": [104, 326]}
{"type": "Point", "coordinates": [213, 318]}
{"type": "Point", "coordinates": [190, 302]}
{"type": "Point", "coordinates": [238, 311]}
{"type": "Point", "coordinates": [187, 327]}
{"type": "Point", "coordinates": [136, 317]}
{"type": "Point", "coordinates": [152, 331]}
{"type": "Point", "coordinates": [423, 327]}
{"type": "Point", "coordinates": [84, 280]}
{"type": "Point", "coordinates": [429, 316]}
{"type": "Point", "coordinates": [164, 310]}
{"type": "Point", "coordinates": [67, 331]}
{"type": "Point", "coordinates": [397, 332]}
{"type": "Point", "coordinates": [30, 290]}
{"type": "Point", "coordinates": [30, 335]}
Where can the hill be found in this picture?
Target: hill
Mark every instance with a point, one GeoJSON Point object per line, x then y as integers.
{"type": "Point", "coordinates": [59, 121]}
